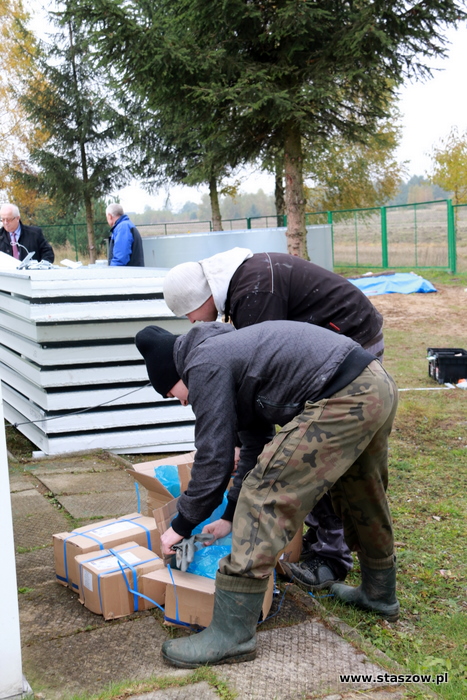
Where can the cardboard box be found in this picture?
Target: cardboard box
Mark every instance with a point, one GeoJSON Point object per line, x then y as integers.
{"type": "Point", "coordinates": [99, 536]}
{"type": "Point", "coordinates": [189, 599]}
{"type": "Point", "coordinates": [292, 552]}
{"type": "Point", "coordinates": [157, 494]}
{"type": "Point", "coordinates": [110, 580]}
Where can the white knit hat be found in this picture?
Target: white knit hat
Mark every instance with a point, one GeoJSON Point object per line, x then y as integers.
{"type": "Point", "coordinates": [186, 288]}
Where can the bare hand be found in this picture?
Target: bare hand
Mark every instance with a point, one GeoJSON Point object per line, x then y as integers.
{"type": "Point", "coordinates": [219, 528]}
{"type": "Point", "coordinates": [168, 539]}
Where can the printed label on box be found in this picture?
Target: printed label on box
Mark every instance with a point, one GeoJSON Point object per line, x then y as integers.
{"type": "Point", "coordinates": [87, 579]}
{"type": "Point", "coordinates": [112, 529]}
{"type": "Point", "coordinates": [113, 562]}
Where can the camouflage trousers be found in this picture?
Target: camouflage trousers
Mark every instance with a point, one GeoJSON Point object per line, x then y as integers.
{"type": "Point", "coordinates": [338, 445]}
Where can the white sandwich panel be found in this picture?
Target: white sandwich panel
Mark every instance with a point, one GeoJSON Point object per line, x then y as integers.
{"type": "Point", "coordinates": [84, 311]}
{"type": "Point", "coordinates": [70, 400]}
{"type": "Point", "coordinates": [60, 355]}
{"type": "Point", "coordinates": [73, 376]}
{"type": "Point", "coordinates": [151, 439]}
{"type": "Point", "coordinates": [84, 281]}
{"type": "Point", "coordinates": [170, 412]}
{"type": "Point", "coordinates": [52, 332]}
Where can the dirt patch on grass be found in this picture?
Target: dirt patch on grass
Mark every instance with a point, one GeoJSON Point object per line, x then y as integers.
{"type": "Point", "coordinates": [443, 309]}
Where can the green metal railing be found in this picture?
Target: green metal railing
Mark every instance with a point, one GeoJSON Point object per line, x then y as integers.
{"type": "Point", "coordinates": [420, 235]}
{"type": "Point", "coordinates": [407, 236]}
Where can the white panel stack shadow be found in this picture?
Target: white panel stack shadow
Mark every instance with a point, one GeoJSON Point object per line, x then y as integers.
{"type": "Point", "coordinates": [72, 378]}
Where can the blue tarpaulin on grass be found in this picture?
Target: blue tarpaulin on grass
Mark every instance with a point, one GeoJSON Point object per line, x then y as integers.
{"type": "Point", "coordinates": [398, 283]}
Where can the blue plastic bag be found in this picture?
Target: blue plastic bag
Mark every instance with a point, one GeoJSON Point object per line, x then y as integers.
{"type": "Point", "coordinates": [215, 515]}
{"type": "Point", "coordinates": [206, 560]}
{"type": "Point", "coordinates": [167, 474]}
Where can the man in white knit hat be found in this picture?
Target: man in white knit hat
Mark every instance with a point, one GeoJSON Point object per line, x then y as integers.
{"type": "Point", "coordinates": [199, 290]}
{"type": "Point", "coordinates": [249, 288]}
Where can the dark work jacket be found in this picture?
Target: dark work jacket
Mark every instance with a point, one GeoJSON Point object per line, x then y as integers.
{"type": "Point", "coordinates": [277, 286]}
{"type": "Point", "coordinates": [31, 239]}
{"type": "Point", "coordinates": [246, 382]}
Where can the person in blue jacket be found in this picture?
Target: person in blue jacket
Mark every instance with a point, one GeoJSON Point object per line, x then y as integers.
{"type": "Point", "coordinates": [125, 244]}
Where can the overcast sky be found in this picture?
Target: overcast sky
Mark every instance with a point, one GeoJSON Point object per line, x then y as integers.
{"type": "Point", "coordinates": [428, 111]}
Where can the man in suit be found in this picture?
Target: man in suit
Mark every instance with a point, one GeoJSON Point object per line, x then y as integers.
{"type": "Point", "coordinates": [18, 240]}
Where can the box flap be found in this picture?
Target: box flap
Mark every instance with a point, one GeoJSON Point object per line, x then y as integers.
{"type": "Point", "coordinates": [158, 495]}
{"type": "Point", "coordinates": [165, 514]}
{"type": "Point", "coordinates": [153, 485]}
{"type": "Point", "coordinates": [148, 467]}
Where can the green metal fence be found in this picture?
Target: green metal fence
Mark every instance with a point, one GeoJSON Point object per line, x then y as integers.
{"type": "Point", "coordinates": [407, 236]}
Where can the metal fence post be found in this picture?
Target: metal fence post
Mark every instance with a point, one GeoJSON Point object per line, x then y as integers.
{"type": "Point", "coordinates": [384, 238]}
{"type": "Point", "coordinates": [452, 252]}
{"type": "Point", "coordinates": [76, 242]}
{"type": "Point", "coordinates": [330, 222]}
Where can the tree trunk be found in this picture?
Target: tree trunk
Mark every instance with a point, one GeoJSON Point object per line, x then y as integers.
{"type": "Point", "coordinates": [90, 228]}
{"type": "Point", "coordinates": [215, 209]}
{"type": "Point", "coordinates": [294, 195]}
{"type": "Point", "coordinates": [279, 194]}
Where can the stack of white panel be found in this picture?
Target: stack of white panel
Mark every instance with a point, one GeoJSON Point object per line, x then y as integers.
{"type": "Point", "coordinates": [72, 378]}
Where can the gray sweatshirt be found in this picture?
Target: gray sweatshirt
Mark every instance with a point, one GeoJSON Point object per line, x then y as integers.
{"type": "Point", "coordinates": [245, 382]}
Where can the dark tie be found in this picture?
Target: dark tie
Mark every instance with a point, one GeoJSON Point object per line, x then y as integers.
{"type": "Point", "coordinates": [14, 246]}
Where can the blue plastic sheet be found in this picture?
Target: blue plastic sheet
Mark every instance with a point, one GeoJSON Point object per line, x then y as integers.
{"type": "Point", "coordinates": [399, 283]}
{"type": "Point", "coordinates": [167, 474]}
{"type": "Point", "coordinates": [215, 515]}
{"type": "Point", "coordinates": [206, 560]}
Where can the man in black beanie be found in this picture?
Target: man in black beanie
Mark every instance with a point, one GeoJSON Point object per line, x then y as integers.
{"type": "Point", "coordinates": [335, 404]}
{"type": "Point", "coordinates": [156, 346]}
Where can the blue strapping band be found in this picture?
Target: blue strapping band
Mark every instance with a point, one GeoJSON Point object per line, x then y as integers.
{"type": "Point", "coordinates": [120, 568]}
{"type": "Point", "coordinates": [177, 618]}
{"type": "Point", "coordinates": [77, 534]}
{"type": "Point", "coordinates": [178, 622]}
{"type": "Point", "coordinates": [132, 568]}
{"type": "Point", "coordinates": [327, 595]}
{"type": "Point", "coordinates": [138, 497]}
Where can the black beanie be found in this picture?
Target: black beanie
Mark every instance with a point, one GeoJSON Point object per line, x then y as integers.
{"type": "Point", "coordinates": [156, 346]}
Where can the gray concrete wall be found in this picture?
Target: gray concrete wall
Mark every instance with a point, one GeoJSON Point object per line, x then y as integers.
{"type": "Point", "coordinates": [167, 251]}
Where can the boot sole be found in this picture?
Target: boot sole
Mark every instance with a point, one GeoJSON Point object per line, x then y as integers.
{"type": "Point", "coordinates": [308, 587]}
{"type": "Point", "coordinates": [389, 615]}
{"type": "Point", "coordinates": [250, 656]}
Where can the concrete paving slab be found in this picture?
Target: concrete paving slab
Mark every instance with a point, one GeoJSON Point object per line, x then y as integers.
{"type": "Point", "coordinates": [295, 662]}
{"type": "Point", "coordinates": [88, 482]}
{"type": "Point", "coordinates": [50, 610]}
{"type": "Point", "coordinates": [88, 661]}
{"type": "Point", "coordinates": [22, 482]}
{"type": "Point", "coordinates": [109, 505]}
{"type": "Point", "coordinates": [196, 691]}
{"type": "Point", "coordinates": [36, 567]}
{"type": "Point", "coordinates": [27, 502]}
{"type": "Point", "coordinates": [76, 463]}
{"type": "Point", "coordinates": [35, 519]}
{"type": "Point", "coordinates": [394, 693]}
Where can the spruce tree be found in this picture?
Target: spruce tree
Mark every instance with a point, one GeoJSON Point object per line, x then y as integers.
{"type": "Point", "coordinates": [80, 160]}
{"type": "Point", "coordinates": [271, 72]}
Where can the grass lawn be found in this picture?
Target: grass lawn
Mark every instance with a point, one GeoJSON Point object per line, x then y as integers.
{"type": "Point", "coordinates": [428, 497]}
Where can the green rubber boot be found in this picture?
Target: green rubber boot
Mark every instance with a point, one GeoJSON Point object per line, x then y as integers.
{"type": "Point", "coordinates": [377, 592]}
{"type": "Point", "coordinates": [231, 636]}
